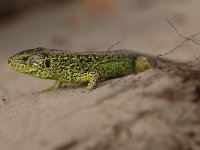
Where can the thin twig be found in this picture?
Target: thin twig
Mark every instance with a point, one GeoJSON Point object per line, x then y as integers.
{"type": "Point", "coordinates": [112, 46]}
{"type": "Point", "coordinates": [195, 41]}
{"type": "Point", "coordinates": [182, 36]}
{"type": "Point", "coordinates": [181, 44]}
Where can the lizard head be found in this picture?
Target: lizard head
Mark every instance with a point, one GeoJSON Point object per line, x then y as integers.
{"type": "Point", "coordinates": [33, 62]}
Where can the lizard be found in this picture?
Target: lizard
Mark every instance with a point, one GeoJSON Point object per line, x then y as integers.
{"type": "Point", "coordinates": [77, 67]}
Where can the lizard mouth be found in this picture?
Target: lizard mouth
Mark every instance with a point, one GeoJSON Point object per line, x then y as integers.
{"type": "Point", "coordinates": [20, 65]}
{"type": "Point", "coordinates": [15, 63]}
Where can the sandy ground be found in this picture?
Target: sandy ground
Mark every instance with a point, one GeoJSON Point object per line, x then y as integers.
{"type": "Point", "coordinates": [151, 110]}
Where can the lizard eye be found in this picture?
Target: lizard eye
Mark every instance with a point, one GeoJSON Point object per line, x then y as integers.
{"type": "Point", "coordinates": [35, 60]}
{"type": "Point", "coordinates": [47, 63]}
{"type": "Point", "coordinates": [24, 59]}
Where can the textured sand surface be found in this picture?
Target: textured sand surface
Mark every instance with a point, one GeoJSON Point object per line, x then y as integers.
{"type": "Point", "coordinates": [152, 110]}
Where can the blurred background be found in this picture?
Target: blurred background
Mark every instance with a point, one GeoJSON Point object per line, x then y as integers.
{"type": "Point", "coordinates": [95, 25]}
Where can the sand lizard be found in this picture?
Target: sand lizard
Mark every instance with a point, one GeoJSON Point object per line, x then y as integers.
{"type": "Point", "coordinates": [77, 67]}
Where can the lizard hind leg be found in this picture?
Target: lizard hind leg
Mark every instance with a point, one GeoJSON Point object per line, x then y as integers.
{"type": "Point", "coordinates": [94, 79]}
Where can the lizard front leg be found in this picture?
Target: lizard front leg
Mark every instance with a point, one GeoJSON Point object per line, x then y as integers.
{"type": "Point", "coordinates": [56, 85]}
{"type": "Point", "coordinates": [93, 78]}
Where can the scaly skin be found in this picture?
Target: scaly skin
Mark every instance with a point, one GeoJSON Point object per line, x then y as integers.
{"type": "Point", "coordinates": [77, 67]}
